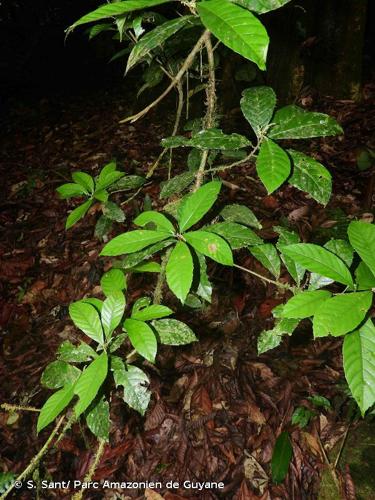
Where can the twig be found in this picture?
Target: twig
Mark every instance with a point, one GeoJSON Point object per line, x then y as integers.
{"type": "Point", "coordinates": [341, 446]}
{"type": "Point", "coordinates": [330, 466]}
{"type": "Point", "coordinates": [91, 472]}
{"type": "Point", "coordinates": [273, 282]}
{"type": "Point", "coordinates": [35, 460]}
{"type": "Point", "coordinates": [16, 408]}
{"type": "Point", "coordinates": [221, 168]}
{"type": "Point", "coordinates": [71, 419]}
{"type": "Point", "coordinates": [186, 65]}
{"type": "Point", "coordinates": [211, 105]}
{"type": "Point", "coordinates": [158, 292]}
{"type": "Point", "coordinates": [133, 196]}
{"type": "Point", "coordinates": [180, 107]}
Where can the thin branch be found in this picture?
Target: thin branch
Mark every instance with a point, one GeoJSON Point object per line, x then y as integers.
{"type": "Point", "coordinates": [186, 65]}
{"type": "Point", "coordinates": [263, 278]}
{"type": "Point", "coordinates": [35, 460]}
{"type": "Point", "coordinates": [94, 466]}
{"type": "Point", "coordinates": [158, 292]}
{"type": "Point", "coordinates": [16, 408]}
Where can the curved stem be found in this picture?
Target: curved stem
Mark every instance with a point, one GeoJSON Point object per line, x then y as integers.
{"type": "Point", "coordinates": [263, 278]}
{"type": "Point", "coordinates": [16, 408]}
{"type": "Point", "coordinates": [158, 292]}
{"type": "Point", "coordinates": [91, 472]}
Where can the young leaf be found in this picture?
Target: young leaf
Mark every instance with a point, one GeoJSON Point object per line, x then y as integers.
{"type": "Point", "coordinates": [179, 271]}
{"type": "Point", "coordinates": [293, 122]}
{"type": "Point", "coordinates": [177, 184]}
{"type": "Point", "coordinates": [75, 354]}
{"type": "Point", "coordinates": [362, 238]}
{"type": "Point", "coordinates": [174, 332]}
{"type": "Point", "coordinates": [214, 138]}
{"type": "Point", "coordinates": [101, 195]}
{"type": "Point", "coordinates": [89, 383]}
{"type": "Point", "coordinates": [261, 6]}
{"type": "Point", "coordinates": [142, 338]}
{"type": "Point", "coordinates": [86, 318]}
{"type": "Point", "coordinates": [54, 406]}
{"type": "Point", "coordinates": [70, 189]}
{"type": "Point", "coordinates": [134, 381]}
{"type": "Point", "coordinates": [305, 304]}
{"type": "Point", "coordinates": [359, 366]}
{"type": "Point", "coordinates": [364, 277]}
{"type": "Point", "coordinates": [236, 235]}
{"type": "Point", "coordinates": [236, 28]}
{"type": "Point", "coordinates": [84, 180]}
{"type": "Point", "coordinates": [113, 281]}
{"type": "Point", "coordinates": [257, 105]}
{"type": "Point", "coordinates": [146, 267]}
{"type": "Point", "coordinates": [106, 170]}
{"type": "Point", "coordinates": [58, 374]}
{"type": "Point", "coordinates": [77, 214]}
{"type": "Point", "coordinates": [97, 303]}
{"type": "Point", "coordinates": [211, 245]}
{"type": "Point", "coordinates": [196, 205]}
{"type": "Point", "coordinates": [319, 260]}
{"type": "Point", "coordinates": [311, 176]}
{"type": "Point", "coordinates": [108, 179]}
{"type": "Point", "coordinates": [281, 457]}
{"type": "Point", "coordinates": [132, 241]}
{"type": "Point", "coordinates": [268, 256]}
{"type": "Point", "coordinates": [97, 419]}
{"type": "Point", "coordinates": [140, 303]}
{"type": "Point", "coordinates": [116, 9]}
{"type": "Point", "coordinates": [127, 182]}
{"type": "Point", "coordinates": [160, 220]}
{"type": "Point", "coordinates": [112, 312]}
{"type": "Point", "coordinates": [341, 314]}
{"type": "Point", "coordinates": [302, 416]}
{"type": "Point", "coordinates": [113, 212]}
{"type": "Point", "coordinates": [154, 38]}
{"type": "Point", "coordinates": [152, 312]}
{"type": "Point", "coordinates": [272, 164]}
{"type": "Point", "coordinates": [240, 214]}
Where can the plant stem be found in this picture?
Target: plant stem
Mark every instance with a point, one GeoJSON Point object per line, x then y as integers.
{"type": "Point", "coordinates": [91, 472]}
{"type": "Point", "coordinates": [209, 119]}
{"type": "Point", "coordinates": [158, 292]}
{"type": "Point", "coordinates": [186, 65]}
{"type": "Point", "coordinates": [268, 280]}
{"type": "Point", "coordinates": [16, 408]}
{"type": "Point", "coordinates": [35, 460]}
{"type": "Point", "coordinates": [67, 426]}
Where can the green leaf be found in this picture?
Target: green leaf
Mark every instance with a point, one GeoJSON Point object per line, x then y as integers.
{"type": "Point", "coordinates": [154, 38]}
{"type": "Point", "coordinates": [261, 6]}
{"type": "Point", "coordinates": [268, 256]}
{"type": "Point", "coordinates": [106, 170]}
{"type": "Point", "coordinates": [112, 312]}
{"type": "Point", "coordinates": [364, 277]}
{"type": "Point", "coordinates": [214, 138]}
{"type": "Point", "coordinates": [54, 406]}
{"type": "Point", "coordinates": [75, 354]}
{"type": "Point", "coordinates": [86, 318]}
{"type": "Point", "coordinates": [204, 289]}
{"type": "Point", "coordinates": [302, 416]}
{"type": "Point", "coordinates": [196, 205]}
{"type": "Point", "coordinates": [97, 303]}
{"type": "Point", "coordinates": [319, 260]}
{"type": "Point", "coordinates": [108, 179]}
{"type": "Point", "coordinates": [58, 374]}
{"type": "Point", "coordinates": [240, 214]}
{"type": "Point", "coordinates": [116, 9]}
{"type": "Point", "coordinates": [177, 184]}
{"type": "Point", "coordinates": [134, 381]}
{"type": "Point", "coordinates": [77, 214]}
{"type": "Point", "coordinates": [99, 28]}
{"type": "Point", "coordinates": [117, 342]}
{"type": "Point", "coordinates": [70, 189]}
{"type": "Point", "coordinates": [160, 220]}
{"type": "Point", "coordinates": [281, 457]}
{"type": "Point", "coordinates": [127, 182]}
{"type": "Point", "coordinates": [269, 339]}
{"type": "Point", "coordinates": [257, 105]}
{"type": "Point", "coordinates": [135, 258]}
{"type": "Point", "coordinates": [272, 164]}
{"type": "Point", "coordinates": [154, 311]}
{"type": "Point", "coordinates": [320, 401]}
{"type": "Point", "coordinates": [173, 332]}
{"type": "Point", "coordinates": [179, 271]}
{"type": "Point", "coordinates": [236, 235]}
{"type": "Point", "coordinates": [311, 176]}
{"type": "Point", "coordinates": [359, 365]}
{"type": "Point", "coordinates": [89, 383]}
{"type": "Point", "coordinates": [97, 419]}
{"type": "Point", "coordinates": [362, 238]}
{"type": "Point", "coordinates": [287, 238]}
{"type": "Point", "coordinates": [84, 180]}
{"type": "Point", "coordinates": [6, 480]}
{"type": "Point", "coordinates": [132, 241]}
{"type": "Point", "coordinates": [140, 304]}
{"type": "Point", "coordinates": [142, 338]}
{"type": "Point", "coordinates": [341, 314]}
{"type": "Point", "coordinates": [342, 249]}
{"type": "Point", "coordinates": [113, 281]}
{"type": "Point", "coordinates": [103, 227]}
{"type": "Point", "coordinates": [113, 212]}
{"type": "Point", "coordinates": [305, 304]}
{"type": "Point", "coordinates": [236, 28]}
{"type": "Point", "coordinates": [211, 245]}
{"type": "Point", "coordinates": [101, 195]}
{"type": "Point", "coordinates": [146, 267]}
{"type": "Point", "coordinates": [293, 122]}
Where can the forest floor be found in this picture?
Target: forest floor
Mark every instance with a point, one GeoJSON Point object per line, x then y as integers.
{"type": "Point", "coordinates": [217, 407]}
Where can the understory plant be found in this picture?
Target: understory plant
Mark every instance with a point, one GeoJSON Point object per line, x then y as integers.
{"type": "Point", "coordinates": [330, 285]}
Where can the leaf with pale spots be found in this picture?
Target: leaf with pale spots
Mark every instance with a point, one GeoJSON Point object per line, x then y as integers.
{"type": "Point", "coordinates": [211, 245]}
